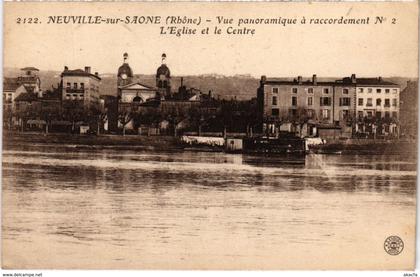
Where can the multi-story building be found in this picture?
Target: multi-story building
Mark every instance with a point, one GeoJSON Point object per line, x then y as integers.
{"type": "Point", "coordinates": [377, 98]}
{"type": "Point", "coordinates": [326, 102]}
{"type": "Point", "coordinates": [81, 85]}
{"type": "Point", "coordinates": [335, 103]}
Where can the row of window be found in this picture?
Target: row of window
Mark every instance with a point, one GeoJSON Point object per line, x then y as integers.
{"type": "Point", "coordinates": [326, 113]}
{"type": "Point", "coordinates": [324, 101]}
{"type": "Point", "coordinates": [378, 90]}
{"type": "Point", "coordinates": [75, 86]}
{"type": "Point", "coordinates": [343, 101]}
{"type": "Point", "coordinates": [81, 86]}
{"type": "Point", "coordinates": [378, 114]}
{"type": "Point", "coordinates": [310, 90]}
{"type": "Point", "coordinates": [74, 96]}
{"type": "Point", "coordinates": [343, 90]}
{"type": "Point", "coordinates": [369, 102]}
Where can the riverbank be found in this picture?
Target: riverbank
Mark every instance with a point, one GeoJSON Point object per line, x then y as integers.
{"type": "Point", "coordinates": [130, 142]}
{"type": "Point", "coordinates": [92, 141]}
{"type": "Point", "coordinates": [366, 147]}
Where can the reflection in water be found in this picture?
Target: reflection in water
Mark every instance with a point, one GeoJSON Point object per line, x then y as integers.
{"type": "Point", "coordinates": [136, 209]}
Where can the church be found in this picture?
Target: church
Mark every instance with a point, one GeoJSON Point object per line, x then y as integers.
{"type": "Point", "coordinates": [131, 91]}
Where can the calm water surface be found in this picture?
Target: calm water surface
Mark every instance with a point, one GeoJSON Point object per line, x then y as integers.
{"type": "Point", "coordinates": [65, 207]}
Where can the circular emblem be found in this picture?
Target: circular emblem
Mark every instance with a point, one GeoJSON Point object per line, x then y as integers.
{"type": "Point", "coordinates": [393, 245]}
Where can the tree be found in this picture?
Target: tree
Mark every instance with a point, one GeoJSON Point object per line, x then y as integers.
{"type": "Point", "coordinates": [73, 112]}
{"type": "Point", "coordinates": [124, 117]}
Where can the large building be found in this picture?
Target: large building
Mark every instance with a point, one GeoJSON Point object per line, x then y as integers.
{"type": "Point", "coordinates": [338, 104]}
{"type": "Point", "coordinates": [81, 86]}
{"type": "Point", "coordinates": [130, 91]}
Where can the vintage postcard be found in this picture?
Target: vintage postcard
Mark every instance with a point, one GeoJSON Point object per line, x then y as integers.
{"type": "Point", "coordinates": [209, 135]}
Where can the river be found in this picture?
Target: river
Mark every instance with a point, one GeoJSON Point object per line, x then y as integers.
{"type": "Point", "coordinates": [65, 207]}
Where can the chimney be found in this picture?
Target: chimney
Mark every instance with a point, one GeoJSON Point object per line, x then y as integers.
{"type": "Point", "coordinates": [87, 69]}
{"type": "Point", "coordinates": [209, 93]}
{"type": "Point", "coordinates": [314, 80]}
{"type": "Point", "coordinates": [263, 79]}
{"type": "Point", "coordinates": [300, 80]}
{"type": "Point", "coordinates": [182, 81]}
{"type": "Point", "coordinates": [66, 68]}
{"type": "Point", "coordinates": [96, 74]}
{"type": "Point", "coordinates": [379, 79]}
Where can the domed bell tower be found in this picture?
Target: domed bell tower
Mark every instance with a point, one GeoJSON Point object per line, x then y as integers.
{"type": "Point", "coordinates": [125, 74]}
{"type": "Point", "coordinates": [163, 79]}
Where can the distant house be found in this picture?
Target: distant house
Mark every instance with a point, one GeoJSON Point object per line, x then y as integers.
{"type": "Point", "coordinates": [28, 81]}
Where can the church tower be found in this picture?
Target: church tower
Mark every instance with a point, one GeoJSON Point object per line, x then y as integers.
{"type": "Point", "coordinates": [163, 79]}
{"type": "Point", "coordinates": [125, 74]}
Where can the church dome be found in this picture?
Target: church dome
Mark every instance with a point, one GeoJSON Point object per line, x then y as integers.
{"type": "Point", "coordinates": [125, 69]}
{"type": "Point", "coordinates": [163, 70]}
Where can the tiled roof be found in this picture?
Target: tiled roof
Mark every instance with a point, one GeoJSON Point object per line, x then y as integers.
{"type": "Point", "coordinates": [26, 97]}
{"type": "Point", "coordinates": [30, 68]}
{"type": "Point", "coordinates": [342, 82]}
{"type": "Point", "coordinates": [79, 72]}
{"type": "Point", "coordinates": [374, 81]}
{"type": "Point", "coordinates": [296, 83]}
{"type": "Point", "coordinates": [10, 84]}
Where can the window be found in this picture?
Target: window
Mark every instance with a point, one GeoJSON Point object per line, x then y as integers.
{"type": "Point", "coordinates": [378, 102]}
{"type": "Point", "coordinates": [369, 114]}
{"type": "Point", "coordinates": [387, 115]}
{"type": "Point", "coordinates": [345, 101]}
{"type": "Point", "coordinates": [360, 90]}
{"type": "Point", "coordinates": [345, 91]}
{"type": "Point", "coordinates": [378, 90]}
{"type": "Point", "coordinates": [275, 112]}
{"type": "Point", "coordinates": [394, 102]}
{"type": "Point", "coordinates": [274, 100]}
{"type": "Point", "coordinates": [360, 101]}
{"type": "Point", "coordinates": [360, 114]}
{"type": "Point", "coordinates": [294, 101]}
{"type": "Point", "coordinates": [325, 101]}
{"type": "Point", "coordinates": [310, 101]}
{"type": "Point", "coordinates": [345, 114]}
{"type": "Point", "coordinates": [369, 90]}
{"type": "Point", "coordinates": [68, 85]}
{"type": "Point", "coordinates": [310, 90]}
{"type": "Point", "coordinates": [75, 85]}
{"type": "Point", "coordinates": [394, 90]}
{"type": "Point", "coordinates": [275, 90]}
{"type": "Point", "coordinates": [387, 90]}
{"type": "Point", "coordinates": [378, 115]}
{"type": "Point", "coordinates": [82, 86]}
{"type": "Point", "coordinates": [294, 90]}
{"type": "Point", "coordinates": [325, 114]}
{"type": "Point", "coordinates": [387, 103]}
{"type": "Point", "coordinates": [369, 102]}
{"type": "Point", "coordinates": [326, 90]}
{"type": "Point", "coordinates": [311, 113]}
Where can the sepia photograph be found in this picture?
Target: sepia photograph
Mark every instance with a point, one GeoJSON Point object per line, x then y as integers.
{"type": "Point", "coordinates": [209, 135]}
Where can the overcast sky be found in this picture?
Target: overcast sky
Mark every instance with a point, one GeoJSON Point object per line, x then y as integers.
{"type": "Point", "coordinates": [367, 50]}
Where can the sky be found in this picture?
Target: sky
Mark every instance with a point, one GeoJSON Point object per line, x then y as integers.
{"type": "Point", "coordinates": [274, 50]}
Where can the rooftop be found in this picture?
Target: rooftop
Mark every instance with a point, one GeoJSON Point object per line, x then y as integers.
{"type": "Point", "coordinates": [79, 72]}
{"type": "Point", "coordinates": [347, 81]}
{"type": "Point", "coordinates": [31, 68]}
